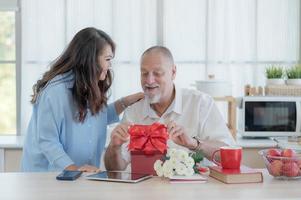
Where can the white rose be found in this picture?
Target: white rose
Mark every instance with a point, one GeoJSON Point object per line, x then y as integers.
{"type": "Point", "coordinates": [179, 163]}
{"type": "Point", "coordinates": [175, 155]}
{"type": "Point", "coordinates": [167, 166]}
{"type": "Point", "coordinates": [189, 162]}
{"type": "Point", "coordinates": [170, 152]}
{"type": "Point", "coordinates": [158, 165]}
{"type": "Point", "coordinates": [168, 169]}
{"type": "Point", "coordinates": [173, 162]}
{"type": "Point", "coordinates": [159, 172]}
{"type": "Point", "coordinates": [189, 171]}
{"type": "Point", "coordinates": [180, 168]}
{"type": "Point", "coordinates": [181, 155]}
{"type": "Point", "coordinates": [169, 174]}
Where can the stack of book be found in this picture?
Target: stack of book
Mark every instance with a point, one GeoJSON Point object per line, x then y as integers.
{"type": "Point", "coordinates": [242, 175]}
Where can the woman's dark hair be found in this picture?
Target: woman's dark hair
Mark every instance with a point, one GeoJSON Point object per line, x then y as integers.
{"type": "Point", "coordinates": [81, 56]}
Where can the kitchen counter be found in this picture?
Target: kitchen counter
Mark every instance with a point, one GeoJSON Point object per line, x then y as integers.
{"type": "Point", "coordinates": [255, 143]}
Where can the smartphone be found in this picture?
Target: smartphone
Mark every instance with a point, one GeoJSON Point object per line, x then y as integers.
{"type": "Point", "coordinates": [68, 175]}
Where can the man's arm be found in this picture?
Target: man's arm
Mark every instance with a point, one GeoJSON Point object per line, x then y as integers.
{"type": "Point", "coordinates": [179, 136]}
{"type": "Point", "coordinates": [215, 129]}
{"type": "Point", "coordinates": [114, 160]}
{"type": "Point", "coordinates": [208, 147]}
{"type": "Point", "coordinates": [113, 157]}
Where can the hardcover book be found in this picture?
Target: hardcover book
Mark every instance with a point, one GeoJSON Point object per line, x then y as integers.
{"type": "Point", "coordinates": [196, 178]}
{"type": "Point", "coordinates": [242, 175]}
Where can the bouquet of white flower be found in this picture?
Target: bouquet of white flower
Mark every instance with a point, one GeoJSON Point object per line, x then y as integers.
{"type": "Point", "coordinates": [178, 162]}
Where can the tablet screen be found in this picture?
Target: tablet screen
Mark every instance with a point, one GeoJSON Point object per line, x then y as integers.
{"type": "Point", "coordinates": [118, 176]}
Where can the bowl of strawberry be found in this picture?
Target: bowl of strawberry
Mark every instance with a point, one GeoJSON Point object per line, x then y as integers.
{"type": "Point", "coordinates": [282, 163]}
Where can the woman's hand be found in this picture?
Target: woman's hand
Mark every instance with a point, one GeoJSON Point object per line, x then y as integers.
{"type": "Point", "coordinates": [129, 100]}
{"type": "Point", "coordinates": [124, 102]}
{"type": "Point", "coordinates": [88, 168]}
{"type": "Point", "coordinates": [72, 168]}
{"type": "Point", "coordinates": [84, 168]}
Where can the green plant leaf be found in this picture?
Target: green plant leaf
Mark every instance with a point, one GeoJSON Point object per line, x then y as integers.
{"type": "Point", "coordinates": [294, 72]}
{"type": "Point", "coordinates": [197, 156]}
{"type": "Point", "coordinates": [273, 72]}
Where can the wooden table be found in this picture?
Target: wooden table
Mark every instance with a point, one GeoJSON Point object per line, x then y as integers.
{"type": "Point", "coordinates": [43, 186]}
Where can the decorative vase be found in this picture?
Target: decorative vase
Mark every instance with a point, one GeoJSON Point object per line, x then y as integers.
{"type": "Point", "coordinates": [215, 88]}
{"type": "Point", "coordinates": [295, 81]}
{"type": "Point", "coordinates": [275, 81]}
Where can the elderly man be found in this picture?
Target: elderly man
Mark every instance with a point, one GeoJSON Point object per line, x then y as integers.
{"type": "Point", "coordinates": [192, 118]}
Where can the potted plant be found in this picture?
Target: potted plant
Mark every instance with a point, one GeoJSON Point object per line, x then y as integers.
{"type": "Point", "coordinates": [274, 75]}
{"type": "Point", "coordinates": [294, 75]}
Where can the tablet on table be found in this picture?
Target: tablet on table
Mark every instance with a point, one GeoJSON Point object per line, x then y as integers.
{"type": "Point", "coordinates": [118, 176]}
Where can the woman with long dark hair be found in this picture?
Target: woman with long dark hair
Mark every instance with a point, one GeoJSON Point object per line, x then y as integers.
{"type": "Point", "coordinates": [70, 115]}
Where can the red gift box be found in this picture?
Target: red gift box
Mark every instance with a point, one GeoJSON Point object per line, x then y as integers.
{"type": "Point", "coordinates": [144, 164]}
{"type": "Point", "coordinates": [147, 144]}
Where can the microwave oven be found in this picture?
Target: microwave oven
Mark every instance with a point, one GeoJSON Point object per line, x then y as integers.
{"type": "Point", "coordinates": [269, 116]}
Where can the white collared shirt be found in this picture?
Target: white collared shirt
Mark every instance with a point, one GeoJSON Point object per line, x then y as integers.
{"type": "Point", "coordinates": [195, 111]}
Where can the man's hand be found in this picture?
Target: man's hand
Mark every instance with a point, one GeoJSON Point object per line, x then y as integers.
{"type": "Point", "coordinates": [178, 135]}
{"type": "Point", "coordinates": [119, 135]}
{"type": "Point", "coordinates": [113, 158]}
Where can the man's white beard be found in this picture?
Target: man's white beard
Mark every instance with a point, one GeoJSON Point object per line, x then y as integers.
{"type": "Point", "coordinates": [153, 99]}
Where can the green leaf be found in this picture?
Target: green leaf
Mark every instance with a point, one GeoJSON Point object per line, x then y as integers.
{"type": "Point", "coordinates": [197, 156]}
{"type": "Point", "coordinates": [195, 168]}
{"type": "Point", "coordinates": [294, 72]}
{"type": "Point", "coordinates": [274, 72]}
{"type": "Point", "coordinates": [165, 157]}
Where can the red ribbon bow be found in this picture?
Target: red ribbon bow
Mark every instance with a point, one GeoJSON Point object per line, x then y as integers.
{"type": "Point", "coordinates": [148, 138]}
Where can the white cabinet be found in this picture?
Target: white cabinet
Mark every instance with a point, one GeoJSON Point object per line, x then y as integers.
{"type": "Point", "coordinates": [251, 158]}
{"type": "Point", "coordinates": [10, 153]}
{"type": "Point", "coordinates": [10, 159]}
{"type": "Point", "coordinates": [251, 147]}
{"type": "Point", "coordinates": [1, 160]}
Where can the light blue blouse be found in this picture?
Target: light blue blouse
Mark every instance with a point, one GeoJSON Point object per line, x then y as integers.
{"type": "Point", "coordinates": [55, 139]}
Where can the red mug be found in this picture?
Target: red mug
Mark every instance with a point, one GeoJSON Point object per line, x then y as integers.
{"type": "Point", "coordinates": [230, 157]}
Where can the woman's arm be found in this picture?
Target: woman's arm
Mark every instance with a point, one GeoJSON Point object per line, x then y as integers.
{"type": "Point", "coordinates": [48, 133]}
